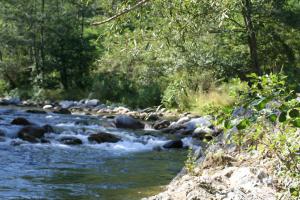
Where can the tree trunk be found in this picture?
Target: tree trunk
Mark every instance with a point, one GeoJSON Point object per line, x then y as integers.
{"type": "Point", "coordinates": [42, 40]}
{"type": "Point", "coordinates": [252, 41]}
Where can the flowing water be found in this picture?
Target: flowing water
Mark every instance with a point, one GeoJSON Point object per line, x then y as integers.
{"type": "Point", "coordinates": [129, 169]}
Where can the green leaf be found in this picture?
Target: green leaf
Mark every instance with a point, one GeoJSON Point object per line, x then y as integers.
{"type": "Point", "coordinates": [243, 124]}
{"type": "Point", "coordinates": [227, 124]}
{"type": "Point", "coordinates": [261, 104]}
{"type": "Point", "coordinates": [296, 122]}
{"type": "Point", "coordinates": [272, 117]}
{"type": "Point", "coordinates": [295, 191]}
{"type": "Point", "coordinates": [293, 113]}
{"type": "Point", "coordinates": [282, 117]}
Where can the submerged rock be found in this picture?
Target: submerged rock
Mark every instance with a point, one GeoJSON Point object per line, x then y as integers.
{"type": "Point", "coordinates": [21, 121]}
{"type": "Point", "coordinates": [123, 121]}
{"type": "Point", "coordinates": [36, 111]}
{"type": "Point", "coordinates": [175, 144]}
{"type": "Point", "coordinates": [2, 136]}
{"type": "Point", "coordinates": [70, 140]}
{"type": "Point", "coordinates": [103, 137]}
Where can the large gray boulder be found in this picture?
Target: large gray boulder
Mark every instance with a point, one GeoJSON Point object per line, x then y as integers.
{"type": "Point", "coordinates": [123, 121]}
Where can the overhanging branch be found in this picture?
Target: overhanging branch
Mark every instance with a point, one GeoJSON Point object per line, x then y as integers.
{"type": "Point", "coordinates": [140, 3]}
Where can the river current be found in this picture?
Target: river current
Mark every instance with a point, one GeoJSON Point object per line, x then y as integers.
{"type": "Point", "coordinates": [129, 169]}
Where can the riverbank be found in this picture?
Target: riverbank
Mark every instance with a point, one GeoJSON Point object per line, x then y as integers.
{"type": "Point", "coordinates": [225, 174]}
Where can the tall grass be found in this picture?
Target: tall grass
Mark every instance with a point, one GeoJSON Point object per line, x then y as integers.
{"type": "Point", "coordinates": [221, 95]}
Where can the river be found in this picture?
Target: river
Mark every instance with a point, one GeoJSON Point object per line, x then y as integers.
{"type": "Point", "coordinates": [129, 169]}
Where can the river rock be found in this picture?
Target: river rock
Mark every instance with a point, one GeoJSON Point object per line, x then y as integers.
{"type": "Point", "coordinates": [198, 122]}
{"type": "Point", "coordinates": [103, 137]}
{"type": "Point", "coordinates": [62, 111]}
{"type": "Point", "coordinates": [2, 136]}
{"type": "Point", "coordinates": [67, 104]}
{"type": "Point", "coordinates": [13, 101]}
{"type": "Point", "coordinates": [70, 140]}
{"type": "Point", "coordinates": [161, 124]}
{"type": "Point", "coordinates": [183, 120]}
{"type": "Point", "coordinates": [31, 133]}
{"type": "Point", "coordinates": [2, 133]}
{"type": "Point", "coordinates": [121, 110]}
{"type": "Point", "coordinates": [36, 111]}
{"type": "Point", "coordinates": [123, 121]}
{"type": "Point", "coordinates": [92, 102]}
{"type": "Point", "coordinates": [201, 133]}
{"type": "Point", "coordinates": [174, 144]}
{"type": "Point", "coordinates": [47, 107]}
{"type": "Point", "coordinates": [21, 121]}
{"type": "Point", "coordinates": [152, 117]}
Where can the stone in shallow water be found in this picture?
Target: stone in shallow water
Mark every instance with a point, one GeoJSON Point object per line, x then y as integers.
{"type": "Point", "coordinates": [32, 133]}
{"type": "Point", "coordinates": [123, 121]}
{"type": "Point", "coordinates": [175, 144]}
{"type": "Point", "coordinates": [103, 137]}
{"type": "Point", "coordinates": [70, 140]}
{"type": "Point", "coordinates": [62, 111]}
{"type": "Point", "coordinates": [161, 124]}
{"type": "Point", "coordinates": [20, 121]}
{"type": "Point", "coordinates": [36, 111]}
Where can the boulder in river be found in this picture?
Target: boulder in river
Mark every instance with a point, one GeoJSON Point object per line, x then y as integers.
{"type": "Point", "coordinates": [21, 121]}
{"type": "Point", "coordinates": [70, 140]}
{"type": "Point", "coordinates": [123, 121]}
{"type": "Point", "coordinates": [174, 144]}
{"type": "Point", "coordinates": [32, 133]}
{"type": "Point", "coordinates": [103, 137]}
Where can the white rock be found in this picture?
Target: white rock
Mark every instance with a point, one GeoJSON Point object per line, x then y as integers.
{"type": "Point", "coordinates": [183, 120]}
{"type": "Point", "coordinates": [92, 102]}
{"type": "Point", "coordinates": [47, 107]}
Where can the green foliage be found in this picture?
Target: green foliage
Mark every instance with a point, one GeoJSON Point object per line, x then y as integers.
{"type": "Point", "coordinates": [269, 122]}
{"type": "Point", "coordinates": [3, 87]}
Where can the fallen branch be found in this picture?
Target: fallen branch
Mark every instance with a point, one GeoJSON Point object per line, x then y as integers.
{"type": "Point", "coordinates": [140, 3]}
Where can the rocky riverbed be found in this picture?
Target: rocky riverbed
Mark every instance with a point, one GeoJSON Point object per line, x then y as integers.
{"type": "Point", "coordinates": [81, 151]}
